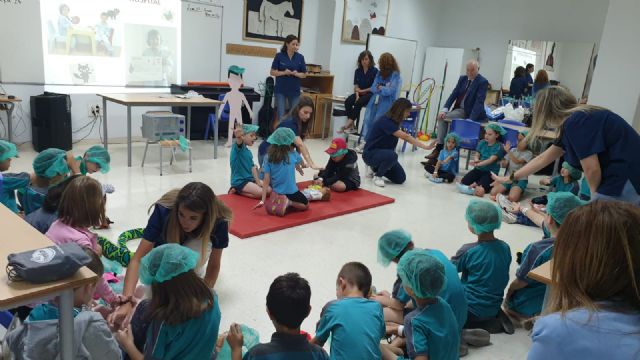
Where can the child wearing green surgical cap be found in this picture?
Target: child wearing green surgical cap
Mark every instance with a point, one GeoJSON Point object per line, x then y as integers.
{"type": "Point", "coordinates": [10, 182]}
{"type": "Point", "coordinates": [566, 181]}
{"type": "Point", "coordinates": [516, 158]}
{"type": "Point", "coordinates": [486, 160]}
{"type": "Point", "coordinates": [50, 168]}
{"type": "Point", "coordinates": [182, 318]}
{"type": "Point", "coordinates": [525, 296]}
{"type": "Point", "coordinates": [244, 173]}
{"type": "Point", "coordinates": [95, 159]}
{"type": "Point", "coordinates": [279, 169]}
{"type": "Point", "coordinates": [484, 267]}
{"type": "Point", "coordinates": [341, 172]}
{"type": "Point", "coordinates": [431, 330]}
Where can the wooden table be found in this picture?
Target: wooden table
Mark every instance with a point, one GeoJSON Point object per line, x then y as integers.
{"type": "Point", "coordinates": [10, 104]}
{"type": "Point", "coordinates": [141, 99]}
{"type": "Point", "coordinates": [330, 100]}
{"type": "Point", "coordinates": [18, 237]}
{"type": "Point", "coordinates": [542, 273]}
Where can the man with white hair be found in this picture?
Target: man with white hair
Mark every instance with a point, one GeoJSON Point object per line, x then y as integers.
{"type": "Point", "coordinates": [465, 102]}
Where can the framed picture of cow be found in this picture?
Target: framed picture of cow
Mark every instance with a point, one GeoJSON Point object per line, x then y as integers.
{"type": "Point", "coordinates": [363, 17]}
{"type": "Point", "coordinates": [271, 20]}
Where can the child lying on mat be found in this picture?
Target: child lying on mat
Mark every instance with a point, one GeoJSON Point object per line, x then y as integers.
{"type": "Point", "coordinates": [279, 171]}
{"type": "Point", "coordinates": [341, 173]}
{"type": "Point", "coordinates": [244, 174]}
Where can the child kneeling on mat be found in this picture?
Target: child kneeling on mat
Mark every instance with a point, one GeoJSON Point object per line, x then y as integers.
{"type": "Point", "coordinates": [280, 171]}
{"type": "Point", "coordinates": [341, 173]}
{"type": "Point", "coordinates": [244, 174]}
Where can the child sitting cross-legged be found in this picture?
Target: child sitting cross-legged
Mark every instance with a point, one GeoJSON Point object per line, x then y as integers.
{"type": "Point", "coordinates": [488, 154]}
{"type": "Point", "coordinates": [279, 169]}
{"type": "Point", "coordinates": [355, 323]}
{"type": "Point", "coordinates": [37, 338]}
{"type": "Point", "coordinates": [288, 304]}
{"type": "Point", "coordinates": [484, 265]}
{"type": "Point", "coordinates": [341, 172]}
{"type": "Point", "coordinates": [516, 158]}
{"type": "Point", "coordinates": [50, 168]}
{"type": "Point", "coordinates": [244, 174]}
{"type": "Point", "coordinates": [431, 330]}
{"type": "Point", "coordinates": [446, 169]}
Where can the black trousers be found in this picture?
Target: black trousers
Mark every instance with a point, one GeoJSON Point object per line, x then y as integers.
{"type": "Point", "coordinates": [480, 177]}
{"type": "Point", "coordinates": [353, 106]}
{"type": "Point", "coordinates": [445, 175]}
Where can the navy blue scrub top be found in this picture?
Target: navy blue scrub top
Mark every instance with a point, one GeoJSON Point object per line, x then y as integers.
{"type": "Point", "coordinates": [616, 143]}
{"type": "Point", "coordinates": [381, 135]}
{"type": "Point", "coordinates": [364, 80]}
{"type": "Point", "coordinates": [288, 123]}
{"type": "Point", "coordinates": [289, 84]}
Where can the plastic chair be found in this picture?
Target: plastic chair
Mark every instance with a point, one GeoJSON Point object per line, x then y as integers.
{"type": "Point", "coordinates": [511, 122]}
{"type": "Point", "coordinates": [469, 132]}
{"type": "Point", "coordinates": [410, 126]}
{"type": "Point", "coordinates": [511, 136]}
{"type": "Point", "coordinates": [211, 122]}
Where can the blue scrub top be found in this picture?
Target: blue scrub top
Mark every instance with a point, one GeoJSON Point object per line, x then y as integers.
{"type": "Point", "coordinates": [10, 183]}
{"type": "Point", "coordinates": [155, 231]}
{"type": "Point", "coordinates": [528, 300]}
{"type": "Point", "coordinates": [616, 143]}
{"type": "Point", "coordinates": [537, 87]}
{"type": "Point", "coordinates": [286, 123]}
{"type": "Point", "coordinates": [289, 84]}
{"type": "Point", "coordinates": [364, 80]}
{"type": "Point", "coordinates": [518, 87]}
{"type": "Point", "coordinates": [486, 151]}
{"type": "Point", "coordinates": [283, 175]}
{"type": "Point", "coordinates": [453, 291]}
{"type": "Point", "coordinates": [485, 274]}
{"type": "Point", "coordinates": [381, 135]}
{"type": "Point", "coordinates": [453, 165]}
{"type": "Point", "coordinates": [529, 78]}
{"type": "Point", "coordinates": [241, 161]}
{"type": "Point", "coordinates": [356, 326]}
{"type": "Point", "coordinates": [579, 334]}
{"type": "Point", "coordinates": [432, 331]}
{"type": "Point", "coordinates": [558, 185]}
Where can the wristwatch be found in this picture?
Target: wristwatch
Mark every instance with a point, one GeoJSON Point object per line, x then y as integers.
{"type": "Point", "coordinates": [512, 177]}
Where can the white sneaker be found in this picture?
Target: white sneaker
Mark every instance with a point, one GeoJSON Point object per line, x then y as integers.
{"type": "Point", "coordinates": [508, 217]}
{"type": "Point", "coordinates": [504, 203]}
{"type": "Point", "coordinates": [369, 171]}
{"type": "Point", "coordinates": [360, 148]}
{"type": "Point", "coordinates": [378, 181]}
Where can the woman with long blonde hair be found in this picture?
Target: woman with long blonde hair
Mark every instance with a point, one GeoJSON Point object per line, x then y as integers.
{"type": "Point", "coordinates": [592, 139]}
{"type": "Point", "coordinates": [594, 304]}
{"type": "Point", "coordinates": [193, 217]}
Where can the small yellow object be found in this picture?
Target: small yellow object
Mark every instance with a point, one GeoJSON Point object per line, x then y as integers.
{"type": "Point", "coordinates": [424, 137]}
{"type": "Point", "coordinates": [315, 187]}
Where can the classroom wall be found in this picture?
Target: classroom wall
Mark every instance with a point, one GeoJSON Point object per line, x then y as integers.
{"type": "Point", "coordinates": [490, 24]}
{"type": "Point", "coordinates": [616, 77]}
{"type": "Point", "coordinates": [575, 58]}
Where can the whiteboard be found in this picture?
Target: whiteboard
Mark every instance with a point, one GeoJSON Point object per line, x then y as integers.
{"type": "Point", "coordinates": [21, 49]}
{"type": "Point", "coordinates": [403, 50]}
{"type": "Point", "coordinates": [201, 41]}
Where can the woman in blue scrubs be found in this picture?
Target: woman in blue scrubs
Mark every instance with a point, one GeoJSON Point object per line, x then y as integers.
{"type": "Point", "coordinates": [288, 68]}
{"type": "Point", "coordinates": [592, 139]}
{"type": "Point", "coordinates": [519, 84]}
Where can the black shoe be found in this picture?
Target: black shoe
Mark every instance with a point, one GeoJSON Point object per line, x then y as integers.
{"type": "Point", "coordinates": [507, 325]}
{"type": "Point", "coordinates": [434, 154]}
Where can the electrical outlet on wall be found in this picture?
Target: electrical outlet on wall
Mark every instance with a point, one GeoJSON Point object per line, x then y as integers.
{"type": "Point", "coordinates": [94, 110]}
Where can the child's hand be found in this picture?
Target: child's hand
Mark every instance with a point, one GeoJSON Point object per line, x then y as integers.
{"type": "Point", "coordinates": [507, 146]}
{"type": "Point", "coordinates": [234, 338]}
{"type": "Point", "coordinates": [391, 329]}
{"type": "Point", "coordinates": [258, 205]}
{"type": "Point", "coordinates": [473, 162]}
{"type": "Point", "coordinates": [124, 337]}
{"type": "Point", "coordinates": [238, 132]}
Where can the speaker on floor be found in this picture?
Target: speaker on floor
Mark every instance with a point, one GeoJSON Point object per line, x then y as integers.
{"type": "Point", "coordinates": [51, 121]}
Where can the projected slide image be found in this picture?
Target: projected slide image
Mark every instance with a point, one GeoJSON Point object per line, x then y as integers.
{"type": "Point", "coordinates": [76, 30]}
{"type": "Point", "coordinates": [151, 54]}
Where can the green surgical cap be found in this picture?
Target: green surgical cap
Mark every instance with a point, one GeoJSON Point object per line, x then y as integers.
{"type": "Point", "coordinates": [483, 216]}
{"type": "Point", "coordinates": [166, 262]}
{"type": "Point", "coordinates": [391, 244]}
{"type": "Point", "coordinates": [7, 150]}
{"type": "Point", "coordinates": [497, 128]}
{"type": "Point", "coordinates": [524, 133]}
{"type": "Point", "coordinates": [282, 136]}
{"type": "Point", "coordinates": [453, 136]}
{"type": "Point", "coordinates": [50, 163]}
{"type": "Point", "coordinates": [99, 155]}
{"type": "Point", "coordinates": [250, 128]}
{"type": "Point", "coordinates": [421, 272]}
{"type": "Point", "coordinates": [560, 204]}
{"type": "Point", "coordinates": [574, 173]}
{"type": "Point", "coordinates": [235, 69]}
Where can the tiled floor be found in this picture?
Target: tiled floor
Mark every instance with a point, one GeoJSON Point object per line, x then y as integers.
{"type": "Point", "coordinates": [434, 214]}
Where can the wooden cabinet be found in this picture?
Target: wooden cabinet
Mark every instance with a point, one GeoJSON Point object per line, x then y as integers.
{"type": "Point", "coordinates": [317, 86]}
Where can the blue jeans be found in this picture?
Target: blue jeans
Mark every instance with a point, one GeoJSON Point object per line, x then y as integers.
{"type": "Point", "coordinates": [628, 195]}
{"type": "Point", "coordinates": [385, 163]}
{"type": "Point", "coordinates": [281, 100]}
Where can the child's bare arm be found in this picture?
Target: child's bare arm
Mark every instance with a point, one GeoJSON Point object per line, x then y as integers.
{"type": "Point", "coordinates": [256, 176]}
{"type": "Point", "coordinates": [489, 161]}
{"type": "Point", "coordinates": [546, 181]}
{"type": "Point", "coordinates": [238, 133]}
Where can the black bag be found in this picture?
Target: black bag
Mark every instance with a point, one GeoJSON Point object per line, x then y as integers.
{"type": "Point", "coordinates": [266, 113]}
{"type": "Point", "coordinates": [46, 264]}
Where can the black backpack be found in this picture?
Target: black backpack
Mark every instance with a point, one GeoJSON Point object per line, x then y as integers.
{"type": "Point", "coordinates": [266, 113]}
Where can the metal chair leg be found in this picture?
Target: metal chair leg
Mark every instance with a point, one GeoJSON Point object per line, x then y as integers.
{"type": "Point", "coordinates": [189, 157]}
{"type": "Point", "coordinates": [161, 159]}
{"type": "Point", "coordinates": [146, 146]}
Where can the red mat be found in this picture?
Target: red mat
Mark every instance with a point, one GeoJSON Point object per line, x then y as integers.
{"type": "Point", "coordinates": [247, 223]}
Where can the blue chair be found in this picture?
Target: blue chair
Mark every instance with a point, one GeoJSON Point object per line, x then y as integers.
{"type": "Point", "coordinates": [211, 122]}
{"type": "Point", "coordinates": [410, 126]}
{"type": "Point", "coordinates": [5, 319]}
{"type": "Point", "coordinates": [469, 132]}
{"type": "Point", "coordinates": [511, 136]}
{"type": "Point", "coordinates": [511, 122]}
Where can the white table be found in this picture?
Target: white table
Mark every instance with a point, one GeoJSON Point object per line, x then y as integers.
{"type": "Point", "coordinates": [141, 99]}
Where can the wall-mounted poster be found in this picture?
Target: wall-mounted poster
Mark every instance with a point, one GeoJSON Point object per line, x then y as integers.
{"type": "Point", "coordinates": [362, 17]}
{"type": "Point", "coordinates": [271, 20]}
